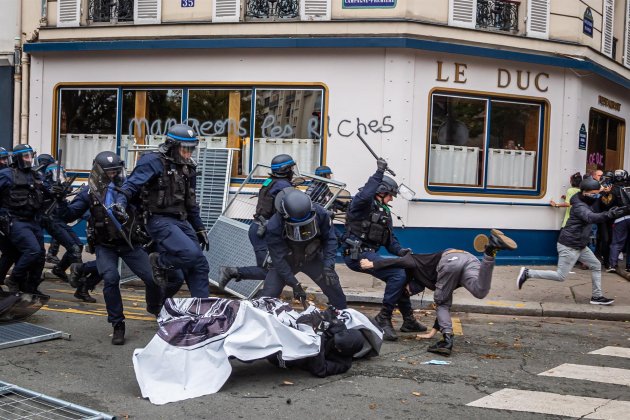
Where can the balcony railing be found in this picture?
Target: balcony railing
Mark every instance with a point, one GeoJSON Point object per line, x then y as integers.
{"type": "Point", "coordinates": [272, 9]}
{"type": "Point", "coordinates": [498, 14]}
{"type": "Point", "coordinates": [110, 11]}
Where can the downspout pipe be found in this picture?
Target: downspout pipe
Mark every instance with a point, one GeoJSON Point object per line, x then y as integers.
{"type": "Point", "coordinates": [17, 76]}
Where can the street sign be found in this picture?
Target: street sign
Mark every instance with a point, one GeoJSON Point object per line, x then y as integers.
{"type": "Point", "coordinates": [582, 138]}
{"type": "Point", "coordinates": [587, 21]}
{"type": "Point", "coordinates": [368, 4]}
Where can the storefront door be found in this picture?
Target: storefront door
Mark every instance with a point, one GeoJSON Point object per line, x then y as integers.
{"type": "Point", "coordinates": [605, 142]}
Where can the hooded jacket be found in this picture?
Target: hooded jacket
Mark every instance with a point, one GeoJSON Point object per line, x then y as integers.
{"type": "Point", "coordinates": [577, 232]}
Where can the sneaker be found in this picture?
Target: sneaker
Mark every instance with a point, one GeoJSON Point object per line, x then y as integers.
{"type": "Point", "coordinates": [118, 338]}
{"type": "Point", "coordinates": [523, 275]}
{"type": "Point", "coordinates": [601, 300]}
{"type": "Point", "coordinates": [499, 240]}
{"type": "Point", "coordinates": [611, 270]}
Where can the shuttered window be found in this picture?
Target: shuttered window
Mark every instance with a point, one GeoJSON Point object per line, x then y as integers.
{"type": "Point", "coordinates": [538, 19]}
{"type": "Point", "coordinates": [462, 13]}
{"type": "Point", "coordinates": [315, 10]}
{"type": "Point", "coordinates": [68, 12]}
{"type": "Point", "coordinates": [626, 49]}
{"type": "Point", "coordinates": [226, 10]}
{"type": "Point", "coordinates": [147, 11]}
{"type": "Point", "coordinates": [607, 27]}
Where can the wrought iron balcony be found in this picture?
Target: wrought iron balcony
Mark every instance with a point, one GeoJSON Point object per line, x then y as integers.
{"type": "Point", "coordinates": [498, 14]}
{"type": "Point", "coordinates": [273, 9]}
{"type": "Point", "coordinates": [110, 11]}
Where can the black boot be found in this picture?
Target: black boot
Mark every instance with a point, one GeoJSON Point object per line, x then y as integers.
{"type": "Point", "coordinates": [384, 321]}
{"type": "Point", "coordinates": [75, 278]}
{"type": "Point", "coordinates": [410, 324]}
{"type": "Point", "coordinates": [118, 338]}
{"type": "Point", "coordinates": [160, 274]}
{"type": "Point", "coordinates": [226, 274]}
{"type": "Point", "coordinates": [499, 241]}
{"type": "Point", "coordinates": [12, 284]}
{"type": "Point", "coordinates": [83, 294]}
{"type": "Point", "coordinates": [52, 259]}
{"type": "Point", "coordinates": [59, 273]}
{"type": "Point", "coordinates": [444, 346]}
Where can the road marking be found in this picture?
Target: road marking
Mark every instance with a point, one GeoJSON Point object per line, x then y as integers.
{"type": "Point", "coordinates": [606, 375]}
{"type": "Point", "coordinates": [457, 326]}
{"type": "Point", "coordinates": [613, 351]}
{"type": "Point", "coordinates": [554, 404]}
{"type": "Point", "coordinates": [504, 304]}
{"type": "Point", "coordinates": [128, 315]}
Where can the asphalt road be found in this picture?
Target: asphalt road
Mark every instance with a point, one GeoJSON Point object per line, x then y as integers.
{"type": "Point", "coordinates": [494, 352]}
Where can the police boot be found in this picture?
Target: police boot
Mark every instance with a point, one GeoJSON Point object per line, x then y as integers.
{"type": "Point", "coordinates": [12, 284]}
{"type": "Point", "coordinates": [444, 346]}
{"type": "Point", "coordinates": [118, 338]}
{"type": "Point", "coordinates": [83, 294]}
{"type": "Point", "coordinates": [384, 321]}
{"type": "Point", "coordinates": [76, 273]}
{"type": "Point", "coordinates": [52, 259]}
{"type": "Point", "coordinates": [410, 324]}
{"type": "Point", "coordinates": [226, 274]}
{"type": "Point", "coordinates": [160, 274]}
{"type": "Point", "coordinates": [59, 273]}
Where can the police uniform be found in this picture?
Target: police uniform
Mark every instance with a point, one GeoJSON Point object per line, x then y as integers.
{"type": "Point", "coordinates": [22, 195]}
{"type": "Point", "coordinates": [370, 224]}
{"type": "Point", "coordinates": [289, 258]}
{"type": "Point", "coordinates": [168, 196]}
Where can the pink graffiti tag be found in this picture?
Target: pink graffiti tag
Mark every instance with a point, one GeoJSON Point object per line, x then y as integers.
{"type": "Point", "coordinates": [596, 159]}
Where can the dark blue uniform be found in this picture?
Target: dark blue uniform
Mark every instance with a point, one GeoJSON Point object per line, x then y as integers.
{"type": "Point", "coordinates": [175, 236]}
{"type": "Point", "coordinates": [108, 250]}
{"type": "Point", "coordinates": [25, 234]}
{"type": "Point", "coordinates": [289, 258]}
{"type": "Point", "coordinates": [258, 243]}
{"type": "Point", "coordinates": [361, 208]}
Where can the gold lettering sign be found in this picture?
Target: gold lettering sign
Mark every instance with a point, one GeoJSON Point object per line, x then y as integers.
{"type": "Point", "coordinates": [609, 103]}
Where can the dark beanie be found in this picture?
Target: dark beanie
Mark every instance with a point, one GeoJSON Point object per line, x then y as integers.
{"type": "Point", "coordinates": [349, 342]}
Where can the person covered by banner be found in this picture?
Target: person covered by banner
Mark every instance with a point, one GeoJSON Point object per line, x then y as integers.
{"type": "Point", "coordinates": [114, 232]}
{"type": "Point", "coordinates": [445, 271]}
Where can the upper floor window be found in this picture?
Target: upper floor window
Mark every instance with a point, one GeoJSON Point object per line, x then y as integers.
{"type": "Point", "coordinates": [110, 11]}
{"type": "Point", "coordinates": [485, 144]}
{"type": "Point", "coordinates": [498, 14]}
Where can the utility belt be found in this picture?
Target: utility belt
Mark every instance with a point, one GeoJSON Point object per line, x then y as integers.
{"type": "Point", "coordinates": [354, 247]}
{"type": "Point", "coordinates": [179, 216]}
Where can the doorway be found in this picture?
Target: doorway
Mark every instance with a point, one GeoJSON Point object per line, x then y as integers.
{"type": "Point", "coordinates": [605, 142]}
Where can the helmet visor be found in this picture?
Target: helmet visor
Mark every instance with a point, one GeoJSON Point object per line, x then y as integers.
{"type": "Point", "coordinates": [100, 178]}
{"type": "Point", "coordinates": [301, 231]}
{"type": "Point", "coordinates": [406, 192]}
{"type": "Point", "coordinates": [56, 175]}
{"type": "Point", "coordinates": [183, 152]}
{"type": "Point", "coordinates": [25, 159]}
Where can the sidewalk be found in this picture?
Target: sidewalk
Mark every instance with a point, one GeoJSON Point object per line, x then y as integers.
{"type": "Point", "coordinates": [568, 299]}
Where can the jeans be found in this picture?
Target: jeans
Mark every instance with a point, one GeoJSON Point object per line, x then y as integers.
{"type": "Point", "coordinates": [567, 257]}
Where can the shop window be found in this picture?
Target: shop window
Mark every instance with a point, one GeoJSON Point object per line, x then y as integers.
{"type": "Point", "coordinates": [605, 142]}
{"type": "Point", "coordinates": [277, 133]}
{"type": "Point", "coordinates": [87, 125]}
{"type": "Point", "coordinates": [484, 145]}
{"type": "Point", "coordinates": [147, 114]}
{"type": "Point", "coordinates": [221, 117]}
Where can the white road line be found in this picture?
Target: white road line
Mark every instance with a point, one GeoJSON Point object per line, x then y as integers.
{"type": "Point", "coordinates": [554, 404]}
{"type": "Point", "coordinates": [591, 373]}
{"type": "Point", "coordinates": [613, 351]}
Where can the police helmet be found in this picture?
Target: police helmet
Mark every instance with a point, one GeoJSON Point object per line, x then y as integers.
{"type": "Point", "coordinates": [387, 186]}
{"type": "Point", "coordinates": [621, 175]}
{"type": "Point", "coordinates": [282, 166]}
{"type": "Point", "coordinates": [23, 157]}
{"type": "Point", "coordinates": [323, 171]}
{"type": "Point", "coordinates": [107, 167]}
{"type": "Point", "coordinates": [300, 221]}
{"type": "Point", "coordinates": [45, 159]}
{"type": "Point", "coordinates": [607, 178]}
{"type": "Point", "coordinates": [4, 158]}
{"type": "Point", "coordinates": [589, 184]}
{"type": "Point", "coordinates": [181, 138]}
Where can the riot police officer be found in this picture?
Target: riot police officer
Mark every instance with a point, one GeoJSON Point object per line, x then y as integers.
{"type": "Point", "coordinates": [8, 253]}
{"type": "Point", "coordinates": [113, 239]}
{"type": "Point", "coordinates": [318, 190]}
{"type": "Point", "coordinates": [279, 179]}
{"type": "Point", "coordinates": [4, 158]}
{"type": "Point", "coordinates": [368, 228]}
{"type": "Point", "coordinates": [300, 238]}
{"type": "Point", "coordinates": [53, 178]}
{"type": "Point", "coordinates": [45, 160]}
{"type": "Point", "coordinates": [22, 195]}
{"type": "Point", "coordinates": [167, 179]}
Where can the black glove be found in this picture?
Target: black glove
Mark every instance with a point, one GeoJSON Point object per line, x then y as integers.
{"type": "Point", "coordinates": [298, 292]}
{"type": "Point", "coordinates": [331, 277]}
{"type": "Point", "coordinates": [57, 190]}
{"type": "Point", "coordinates": [202, 236]}
{"type": "Point", "coordinates": [120, 213]}
{"type": "Point", "coordinates": [404, 251]}
{"type": "Point", "coordinates": [314, 319]}
{"type": "Point", "coordinates": [616, 212]}
{"type": "Point", "coordinates": [381, 164]}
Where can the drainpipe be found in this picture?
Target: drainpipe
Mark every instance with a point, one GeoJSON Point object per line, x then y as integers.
{"type": "Point", "coordinates": [25, 93]}
{"type": "Point", "coordinates": [17, 90]}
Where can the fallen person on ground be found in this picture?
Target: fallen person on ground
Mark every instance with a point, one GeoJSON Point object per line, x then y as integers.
{"type": "Point", "coordinates": [445, 271]}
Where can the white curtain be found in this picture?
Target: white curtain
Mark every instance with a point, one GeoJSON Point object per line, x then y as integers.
{"type": "Point", "coordinates": [305, 152]}
{"type": "Point", "coordinates": [511, 168]}
{"type": "Point", "coordinates": [80, 149]}
{"type": "Point", "coordinates": [453, 165]}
